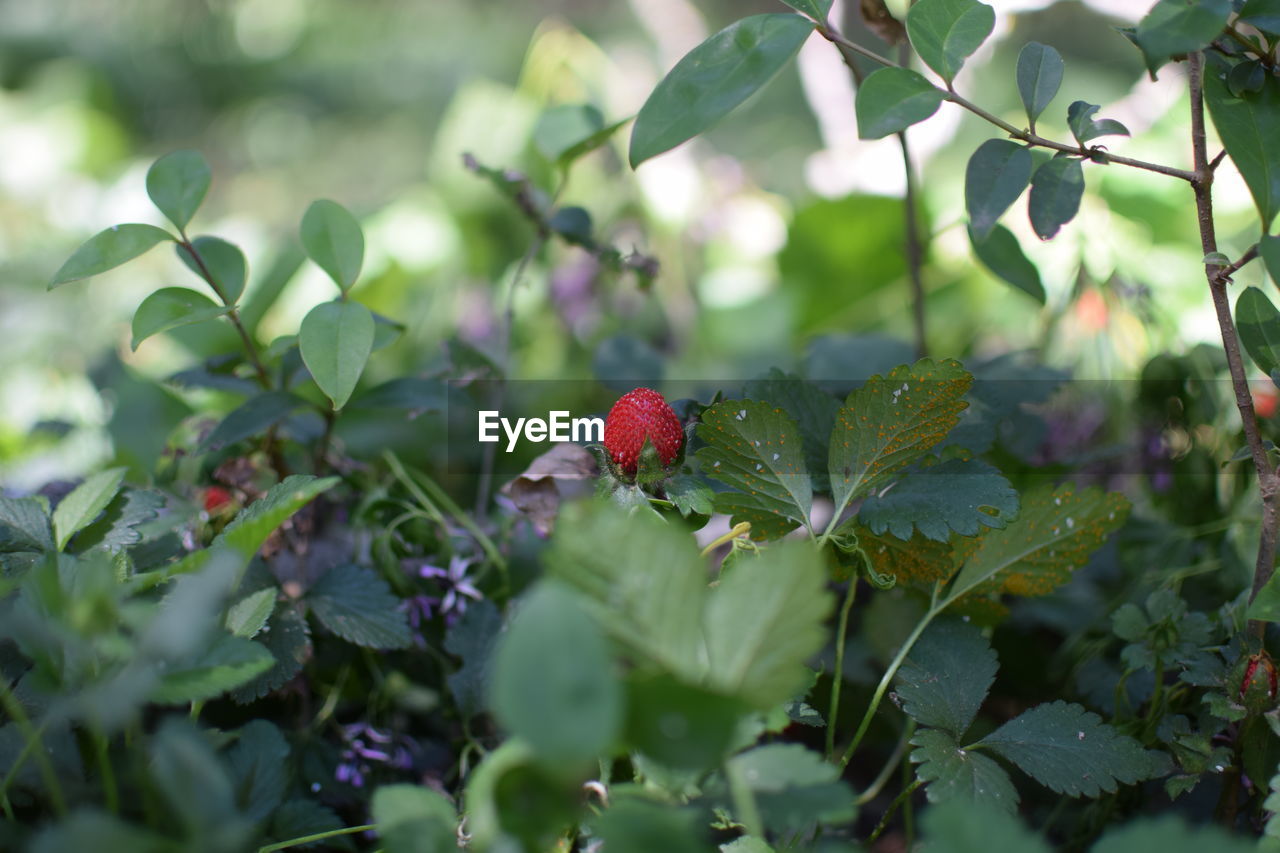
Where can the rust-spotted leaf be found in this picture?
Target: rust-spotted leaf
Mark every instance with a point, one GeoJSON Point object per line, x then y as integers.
{"type": "Point", "coordinates": [892, 421]}
{"type": "Point", "coordinates": [1056, 532]}
{"type": "Point", "coordinates": [757, 449]}
{"type": "Point", "coordinates": [918, 562]}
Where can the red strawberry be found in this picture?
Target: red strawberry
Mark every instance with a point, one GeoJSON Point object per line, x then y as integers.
{"type": "Point", "coordinates": [215, 498]}
{"type": "Point", "coordinates": [638, 415]}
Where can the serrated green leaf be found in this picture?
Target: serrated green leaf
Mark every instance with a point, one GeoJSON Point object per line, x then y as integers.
{"type": "Point", "coordinates": [1056, 532]}
{"type": "Point", "coordinates": [1171, 834]}
{"type": "Point", "coordinates": [298, 818]}
{"type": "Point", "coordinates": [1002, 255]}
{"type": "Point", "coordinates": [997, 174]}
{"type": "Point", "coordinates": [247, 616]}
{"type": "Point", "coordinates": [892, 99]}
{"type": "Point", "coordinates": [332, 238]}
{"type": "Point", "coordinates": [765, 525]}
{"type": "Point", "coordinates": [756, 448]}
{"type": "Point", "coordinates": [228, 663]}
{"type": "Point", "coordinates": [634, 825]}
{"type": "Point", "coordinates": [81, 507]}
{"type": "Point", "coordinates": [919, 562]}
{"type": "Point", "coordinates": [813, 409]}
{"type": "Point", "coordinates": [691, 495]}
{"type": "Point", "coordinates": [1070, 750]}
{"type": "Point", "coordinates": [25, 525]}
{"type": "Point", "coordinates": [1258, 323]}
{"type": "Point", "coordinates": [977, 827]}
{"type": "Point", "coordinates": [1039, 76]}
{"type": "Point", "coordinates": [196, 787]}
{"type": "Point", "coordinates": [946, 32]}
{"type": "Point", "coordinates": [472, 638]}
{"type": "Point", "coordinates": [259, 768]}
{"type": "Point", "coordinates": [414, 819]}
{"type": "Point", "coordinates": [952, 773]}
{"type": "Point", "coordinates": [87, 829]}
{"type": "Point", "coordinates": [336, 339]}
{"type": "Point", "coordinates": [1263, 14]}
{"type": "Point", "coordinates": [713, 79]}
{"type": "Point", "coordinates": [1056, 190]}
{"type": "Point", "coordinates": [108, 249]}
{"type": "Point", "coordinates": [287, 638]}
{"type": "Point", "coordinates": [1249, 127]}
{"type": "Point", "coordinates": [794, 788]}
{"type": "Point", "coordinates": [956, 496]}
{"type": "Point", "coordinates": [554, 683]}
{"type": "Point", "coordinates": [356, 604]}
{"type": "Point", "coordinates": [251, 418]}
{"type": "Point", "coordinates": [946, 677]}
{"type": "Point", "coordinates": [177, 184]}
{"type": "Point", "coordinates": [1085, 127]}
{"type": "Point", "coordinates": [118, 525]}
{"type": "Point", "coordinates": [248, 530]}
{"type": "Point", "coordinates": [171, 307]}
{"type": "Point", "coordinates": [224, 263]}
{"type": "Point", "coordinates": [1174, 27]}
{"type": "Point", "coordinates": [764, 621]}
{"type": "Point", "coordinates": [892, 421]}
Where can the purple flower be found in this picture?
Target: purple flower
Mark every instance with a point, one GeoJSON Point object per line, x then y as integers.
{"type": "Point", "coordinates": [366, 746]}
{"type": "Point", "coordinates": [455, 588]}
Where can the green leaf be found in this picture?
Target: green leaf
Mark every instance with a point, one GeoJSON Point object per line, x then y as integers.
{"type": "Point", "coordinates": [1172, 834]}
{"type": "Point", "coordinates": [1039, 75]}
{"type": "Point", "coordinates": [108, 249]}
{"type": "Point", "coordinates": [1084, 127]}
{"type": "Point", "coordinates": [336, 339]}
{"type": "Point", "coordinates": [299, 817]}
{"type": "Point", "coordinates": [946, 677]}
{"type": "Point", "coordinates": [224, 262]}
{"type": "Point", "coordinates": [892, 99]}
{"type": "Point", "coordinates": [764, 621]}
{"type": "Point", "coordinates": [680, 725]}
{"type": "Point", "coordinates": [977, 827]}
{"type": "Point", "coordinates": [1002, 255]}
{"type": "Point", "coordinates": [1258, 322]}
{"type": "Point", "coordinates": [259, 768]}
{"type": "Point", "coordinates": [946, 32]}
{"type": "Point", "coordinates": [332, 238]}
{"type": "Point", "coordinates": [713, 79]}
{"type": "Point", "coordinates": [632, 825]}
{"type": "Point", "coordinates": [1266, 604]}
{"type": "Point", "coordinates": [356, 604]}
{"type": "Point", "coordinates": [1269, 251]}
{"type": "Point", "coordinates": [226, 664]}
{"type": "Point", "coordinates": [554, 683]}
{"type": "Point", "coordinates": [248, 530]}
{"type": "Point", "coordinates": [794, 787]}
{"type": "Point", "coordinates": [746, 844]}
{"type": "Point", "coordinates": [1070, 750]}
{"type": "Point", "coordinates": [1175, 27]}
{"type": "Point", "coordinates": [251, 418]}
{"type": "Point", "coordinates": [289, 643]}
{"type": "Point", "coordinates": [196, 787]}
{"type": "Point", "coordinates": [919, 562]}
{"type": "Point", "coordinates": [414, 819]}
{"type": "Point", "coordinates": [247, 616]}
{"type": "Point", "coordinates": [955, 496]}
{"type": "Point", "coordinates": [24, 525]}
{"type": "Point", "coordinates": [756, 448]}
{"type": "Point", "coordinates": [1249, 127]}
{"type": "Point", "coordinates": [81, 507]}
{"type": "Point", "coordinates": [86, 829]}
{"type": "Point", "coordinates": [892, 421]}
{"type": "Point", "coordinates": [813, 409]}
{"type": "Point", "coordinates": [472, 638]}
{"type": "Point", "coordinates": [1263, 14]}
{"type": "Point", "coordinates": [177, 184]}
{"type": "Point", "coordinates": [997, 174]}
{"type": "Point", "coordinates": [691, 495]}
{"type": "Point", "coordinates": [816, 9]}
{"type": "Point", "coordinates": [171, 307]}
{"type": "Point", "coordinates": [1056, 189]}
{"type": "Point", "coordinates": [952, 773]}
{"type": "Point", "coordinates": [1055, 533]}
{"type": "Point", "coordinates": [564, 133]}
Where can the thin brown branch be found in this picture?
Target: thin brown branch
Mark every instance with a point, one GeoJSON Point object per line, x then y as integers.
{"type": "Point", "coordinates": [250, 348]}
{"type": "Point", "coordinates": [1217, 276]}
{"type": "Point", "coordinates": [914, 246]}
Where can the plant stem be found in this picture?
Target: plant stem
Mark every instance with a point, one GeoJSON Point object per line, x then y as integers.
{"type": "Point", "coordinates": [1218, 276]}
{"type": "Point", "coordinates": [744, 801]}
{"type": "Point", "coordinates": [250, 348]}
{"type": "Point", "coordinates": [886, 772]}
{"type": "Point", "coordinates": [1095, 154]}
{"type": "Point", "coordinates": [110, 793]}
{"type": "Point", "coordinates": [740, 529]}
{"type": "Point", "coordinates": [319, 836]}
{"type": "Point", "coordinates": [893, 807]}
{"type": "Point", "coordinates": [34, 746]}
{"type": "Point", "coordinates": [915, 241]}
{"type": "Point", "coordinates": [837, 677]}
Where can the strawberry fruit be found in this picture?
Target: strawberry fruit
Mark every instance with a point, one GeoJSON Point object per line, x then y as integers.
{"type": "Point", "coordinates": [638, 416]}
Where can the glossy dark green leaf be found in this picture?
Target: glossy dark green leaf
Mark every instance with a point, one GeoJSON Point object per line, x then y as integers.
{"type": "Point", "coordinates": [1175, 27]}
{"type": "Point", "coordinates": [1269, 251]}
{"type": "Point", "coordinates": [223, 261]}
{"type": "Point", "coordinates": [945, 679]}
{"type": "Point", "coordinates": [107, 249]}
{"type": "Point", "coordinates": [336, 339]}
{"type": "Point", "coordinates": [1001, 254]}
{"type": "Point", "coordinates": [554, 682]}
{"type": "Point", "coordinates": [892, 99]}
{"type": "Point", "coordinates": [713, 79]}
{"type": "Point", "coordinates": [957, 496]}
{"type": "Point", "coordinates": [177, 184]}
{"type": "Point", "coordinates": [816, 9]}
{"type": "Point", "coordinates": [1247, 77]}
{"type": "Point", "coordinates": [1258, 322]}
{"type": "Point", "coordinates": [252, 417]}
{"type": "Point", "coordinates": [1249, 128]}
{"type": "Point", "coordinates": [952, 773]}
{"type": "Point", "coordinates": [946, 32]}
{"type": "Point", "coordinates": [997, 174]}
{"type": "Point", "coordinates": [332, 238]}
{"type": "Point", "coordinates": [171, 307]}
{"type": "Point", "coordinates": [1039, 76]}
{"type": "Point", "coordinates": [1085, 127]}
{"type": "Point", "coordinates": [1056, 190]}
{"type": "Point", "coordinates": [1263, 14]}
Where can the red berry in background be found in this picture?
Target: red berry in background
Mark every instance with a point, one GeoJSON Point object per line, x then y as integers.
{"type": "Point", "coordinates": [1265, 402]}
{"type": "Point", "coordinates": [641, 414]}
{"type": "Point", "coordinates": [215, 498]}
